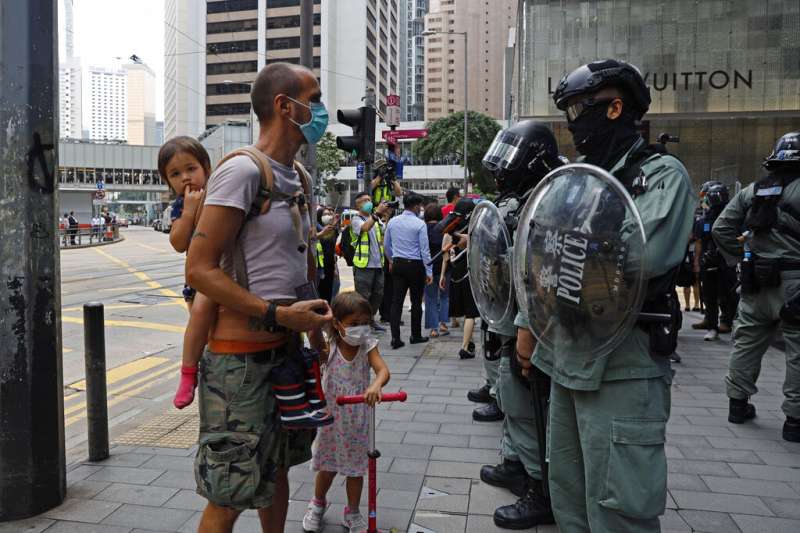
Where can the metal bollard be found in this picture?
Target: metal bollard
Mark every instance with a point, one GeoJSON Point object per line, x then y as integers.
{"type": "Point", "coordinates": [94, 339]}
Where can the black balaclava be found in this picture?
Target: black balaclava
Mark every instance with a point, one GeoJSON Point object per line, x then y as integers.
{"type": "Point", "coordinates": [602, 140]}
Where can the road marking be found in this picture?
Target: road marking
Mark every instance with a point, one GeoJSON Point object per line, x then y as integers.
{"type": "Point", "coordinates": [128, 288]}
{"type": "Point", "coordinates": [141, 275]}
{"type": "Point", "coordinates": [154, 249]}
{"type": "Point", "coordinates": [130, 324]}
{"type": "Point", "coordinates": [116, 396]}
{"type": "Point", "coordinates": [172, 302]}
{"type": "Point", "coordinates": [125, 371]}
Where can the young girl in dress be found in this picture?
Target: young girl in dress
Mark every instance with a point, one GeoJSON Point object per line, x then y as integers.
{"type": "Point", "coordinates": [341, 448]}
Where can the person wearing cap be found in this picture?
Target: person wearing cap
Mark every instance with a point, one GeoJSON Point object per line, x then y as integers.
{"type": "Point", "coordinates": [769, 252]}
{"type": "Point", "coordinates": [384, 186]}
{"type": "Point", "coordinates": [608, 415]}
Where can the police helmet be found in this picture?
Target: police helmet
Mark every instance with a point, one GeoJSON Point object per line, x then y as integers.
{"type": "Point", "coordinates": [525, 152]}
{"type": "Point", "coordinates": [786, 151]}
{"type": "Point", "coordinates": [594, 76]}
{"type": "Point", "coordinates": [717, 195]}
{"type": "Point", "coordinates": [705, 187]}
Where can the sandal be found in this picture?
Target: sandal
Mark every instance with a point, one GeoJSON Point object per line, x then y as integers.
{"type": "Point", "coordinates": [433, 334]}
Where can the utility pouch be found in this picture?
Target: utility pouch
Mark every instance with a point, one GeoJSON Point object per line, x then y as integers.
{"type": "Point", "coordinates": [748, 274]}
{"type": "Point", "coordinates": [790, 312]}
{"type": "Point", "coordinates": [767, 273]}
{"type": "Point", "coordinates": [663, 335]}
{"type": "Point", "coordinates": [491, 346]}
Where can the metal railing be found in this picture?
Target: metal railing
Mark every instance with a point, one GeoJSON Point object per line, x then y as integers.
{"type": "Point", "coordinates": [87, 235]}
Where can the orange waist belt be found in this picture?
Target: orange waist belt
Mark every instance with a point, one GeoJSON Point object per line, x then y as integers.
{"type": "Point", "coordinates": [227, 347]}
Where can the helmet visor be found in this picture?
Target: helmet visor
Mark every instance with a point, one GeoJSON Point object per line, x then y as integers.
{"type": "Point", "coordinates": [506, 152]}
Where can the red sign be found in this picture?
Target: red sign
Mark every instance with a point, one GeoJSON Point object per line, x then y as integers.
{"type": "Point", "coordinates": [394, 136]}
{"type": "Point", "coordinates": [392, 100]}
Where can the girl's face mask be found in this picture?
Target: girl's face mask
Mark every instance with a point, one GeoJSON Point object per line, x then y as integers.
{"type": "Point", "coordinates": [355, 335]}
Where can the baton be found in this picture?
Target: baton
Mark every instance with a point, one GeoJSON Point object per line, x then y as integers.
{"type": "Point", "coordinates": [654, 318]}
{"type": "Point", "coordinates": [541, 427]}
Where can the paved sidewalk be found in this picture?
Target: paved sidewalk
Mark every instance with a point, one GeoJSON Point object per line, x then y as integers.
{"type": "Point", "coordinates": [723, 478]}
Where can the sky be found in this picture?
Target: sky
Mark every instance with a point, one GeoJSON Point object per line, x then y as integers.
{"type": "Point", "coordinates": [108, 32]}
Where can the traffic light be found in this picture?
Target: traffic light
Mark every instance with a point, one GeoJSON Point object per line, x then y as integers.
{"type": "Point", "coordinates": [362, 143]}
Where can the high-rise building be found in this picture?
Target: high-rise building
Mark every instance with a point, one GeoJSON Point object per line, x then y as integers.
{"type": "Point", "coordinates": [486, 23]}
{"type": "Point", "coordinates": [107, 102]}
{"type": "Point", "coordinates": [184, 68]}
{"type": "Point", "coordinates": [70, 98]}
{"type": "Point", "coordinates": [241, 36]}
{"type": "Point", "coordinates": [141, 104]}
{"type": "Point", "coordinates": [412, 67]}
{"type": "Point", "coordinates": [360, 50]}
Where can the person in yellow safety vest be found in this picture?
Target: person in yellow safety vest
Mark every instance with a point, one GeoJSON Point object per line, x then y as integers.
{"type": "Point", "coordinates": [384, 185]}
{"type": "Point", "coordinates": [327, 271]}
{"type": "Point", "coordinates": [367, 238]}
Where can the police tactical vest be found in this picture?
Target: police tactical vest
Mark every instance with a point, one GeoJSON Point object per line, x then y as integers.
{"type": "Point", "coordinates": [762, 215]}
{"type": "Point", "coordinates": [320, 256]}
{"type": "Point", "coordinates": [361, 245]}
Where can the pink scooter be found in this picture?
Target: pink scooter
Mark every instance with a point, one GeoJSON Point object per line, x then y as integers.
{"type": "Point", "coordinates": [373, 453]}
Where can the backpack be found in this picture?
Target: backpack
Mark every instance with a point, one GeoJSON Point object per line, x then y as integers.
{"type": "Point", "coordinates": [346, 246]}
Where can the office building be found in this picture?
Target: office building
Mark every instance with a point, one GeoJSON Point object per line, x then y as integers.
{"type": "Point", "coordinates": [241, 37]}
{"type": "Point", "coordinates": [360, 50]}
{"type": "Point", "coordinates": [107, 102]}
{"type": "Point", "coordinates": [486, 23]}
{"type": "Point", "coordinates": [412, 64]}
{"type": "Point", "coordinates": [141, 104]}
{"type": "Point", "coordinates": [70, 98]}
{"type": "Point", "coordinates": [184, 68]}
{"type": "Point", "coordinates": [724, 76]}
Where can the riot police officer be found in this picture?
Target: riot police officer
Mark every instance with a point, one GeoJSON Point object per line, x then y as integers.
{"type": "Point", "coordinates": [519, 158]}
{"type": "Point", "coordinates": [769, 251]}
{"type": "Point", "coordinates": [608, 414]}
{"type": "Point", "coordinates": [717, 278]}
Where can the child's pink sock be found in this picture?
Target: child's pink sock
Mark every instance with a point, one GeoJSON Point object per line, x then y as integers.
{"type": "Point", "coordinates": [318, 502]}
{"type": "Point", "coordinates": [185, 394]}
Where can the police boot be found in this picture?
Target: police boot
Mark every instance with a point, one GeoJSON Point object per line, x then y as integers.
{"type": "Point", "coordinates": [791, 430]}
{"type": "Point", "coordinates": [531, 510]}
{"type": "Point", "coordinates": [509, 475]}
{"type": "Point", "coordinates": [480, 395]}
{"type": "Point", "coordinates": [489, 412]}
{"type": "Point", "coordinates": [740, 410]}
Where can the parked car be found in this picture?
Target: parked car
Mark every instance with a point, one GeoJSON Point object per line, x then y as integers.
{"type": "Point", "coordinates": [156, 224]}
{"type": "Point", "coordinates": [166, 219]}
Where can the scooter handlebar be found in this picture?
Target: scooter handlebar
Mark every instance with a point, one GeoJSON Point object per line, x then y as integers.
{"type": "Point", "coordinates": [359, 398]}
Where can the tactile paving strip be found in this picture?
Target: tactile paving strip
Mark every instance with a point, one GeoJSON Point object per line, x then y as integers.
{"type": "Point", "coordinates": [175, 429]}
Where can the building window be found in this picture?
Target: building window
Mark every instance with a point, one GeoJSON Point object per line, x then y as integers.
{"type": "Point", "coordinates": [227, 109]}
{"type": "Point", "coordinates": [231, 5]}
{"type": "Point", "coordinates": [234, 67]}
{"type": "Point", "coordinates": [290, 21]}
{"type": "Point", "coordinates": [232, 47]}
{"type": "Point", "coordinates": [227, 88]}
{"type": "Point", "coordinates": [232, 26]}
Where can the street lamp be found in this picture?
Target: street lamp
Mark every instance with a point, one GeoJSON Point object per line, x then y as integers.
{"type": "Point", "coordinates": [251, 122]}
{"type": "Point", "coordinates": [428, 33]}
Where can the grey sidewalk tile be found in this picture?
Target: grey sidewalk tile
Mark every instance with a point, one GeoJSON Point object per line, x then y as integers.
{"type": "Point", "coordinates": [165, 462]}
{"type": "Point", "coordinates": [82, 510]}
{"type": "Point", "coordinates": [673, 452]}
{"type": "Point", "coordinates": [752, 487]}
{"type": "Point", "coordinates": [760, 524]}
{"type": "Point", "coordinates": [434, 439]}
{"type": "Point", "coordinates": [187, 499]}
{"type": "Point", "coordinates": [190, 526]}
{"type": "Point", "coordinates": [81, 472]}
{"type": "Point", "coordinates": [418, 408]}
{"type": "Point", "coordinates": [453, 469]}
{"type": "Point", "coordinates": [419, 427]}
{"type": "Point", "coordinates": [691, 429]}
{"type": "Point", "coordinates": [785, 508]}
{"type": "Point", "coordinates": [85, 490]}
{"type": "Point", "coordinates": [688, 466]}
{"type": "Point", "coordinates": [387, 518]}
{"type": "Point", "coordinates": [780, 459]}
{"type": "Point", "coordinates": [448, 485]}
{"type": "Point", "coordinates": [723, 503]}
{"type": "Point", "coordinates": [717, 454]}
{"type": "Point", "coordinates": [124, 459]}
{"type": "Point", "coordinates": [439, 522]}
{"type": "Point", "coordinates": [148, 517]}
{"type": "Point", "coordinates": [773, 473]}
{"type": "Point", "coordinates": [454, 503]}
{"type": "Point", "coordinates": [437, 418]}
{"type": "Point", "coordinates": [390, 480]}
{"type": "Point", "coordinates": [136, 494]}
{"type": "Point", "coordinates": [477, 523]}
{"type": "Point", "coordinates": [484, 499]}
{"type": "Point", "coordinates": [686, 482]}
{"type": "Point", "coordinates": [758, 445]}
{"type": "Point", "coordinates": [389, 437]}
{"type": "Point", "coordinates": [409, 466]}
{"type": "Point", "coordinates": [406, 451]}
{"type": "Point", "coordinates": [175, 479]}
{"type": "Point", "coordinates": [466, 455]}
{"type": "Point", "coordinates": [710, 522]}
{"type": "Point", "coordinates": [396, 499]}
{"type": "Point", "coordinates": [77, 527]}
{"type": "Point", "coordinates": [175, 452]}
{"type": "Point", "coordinates": [121, 474]}
{"type": "Point", "coordinates": [488, 443]}
{"type": "Point", "coordinates": [388, 414]}
{"type": "Point", "coordinates": [672, 522]}
{"type": "Point", "coordinates": [454, 409]}
{"type": "Point", "coordinates": [37, 524]}
{"type": "Point", "coordinates": [482, 429]}
{"type": "Point", "coordinates": [696, 441]}
{"type": "Point", "coordinates": [449, 400]}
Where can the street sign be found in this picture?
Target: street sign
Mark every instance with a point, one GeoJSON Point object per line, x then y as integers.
{"type": "Point", "coordinates": [99, 197]}
{"type": "Point", "coordinates": [100, 185]}
{"type": "Point", "coordinates": [360, 171]}
{"type": "Point", "coordinates": [393, 136]}
{"type": "Point", "coordinates": [392, 110]}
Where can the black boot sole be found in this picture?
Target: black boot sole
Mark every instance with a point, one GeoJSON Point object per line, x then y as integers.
{"type": "Point", "coordinates": [479, 398]}
{"type": "Point", "coordinates": [539, 520]}
{"type": "Point", "coordinates": [517, 488]}
{"type": "Point", "coordinates": [792, 435]}
{"type": "Point", "coordinates": [741, 419]}
{"type": "Point", "coordinates": [480, 418]}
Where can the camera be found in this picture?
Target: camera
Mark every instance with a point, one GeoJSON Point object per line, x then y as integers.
{"type": "Point", "coordinates": [394, 204]}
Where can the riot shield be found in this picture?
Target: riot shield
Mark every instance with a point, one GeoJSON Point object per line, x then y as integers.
{"type": "Point", "coordinates": [489, 263]}
{"type": "Point", "coordinates": [579, 262]}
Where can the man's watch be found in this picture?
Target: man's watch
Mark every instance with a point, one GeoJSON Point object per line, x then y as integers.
{"type": "Point", "coordinates": [269, 320]}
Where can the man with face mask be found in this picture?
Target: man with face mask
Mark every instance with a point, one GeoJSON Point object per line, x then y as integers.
{"type": "Point", "coordinates": [250, 254]}
{"type": "Point", "coordinates": [608, 415]}
{"type": "Point", "coordinates": [366, 233]}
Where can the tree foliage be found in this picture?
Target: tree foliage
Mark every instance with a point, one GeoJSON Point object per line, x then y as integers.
{"type": "Point", "coordinates": [446, 138]}
{"type": "Point", "coordinates": [329, 158]}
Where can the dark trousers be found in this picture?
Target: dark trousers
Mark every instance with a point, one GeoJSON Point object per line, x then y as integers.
{"type": "Point", "coordinates": [388, 295]}
{"type": "Point", "coordinates": [407, 275]}
{"type": "Point", "coordinates": [719, 295]}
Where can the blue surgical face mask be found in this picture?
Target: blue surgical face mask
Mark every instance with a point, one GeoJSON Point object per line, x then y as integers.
{"type": "Point", "coordinates": [314, 129]}
{"type": "Point", "coordinates": [366, 207]}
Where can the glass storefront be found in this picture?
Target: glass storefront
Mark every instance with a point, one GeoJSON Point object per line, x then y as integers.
{"type": "Point", "coordinates": [724, 75]}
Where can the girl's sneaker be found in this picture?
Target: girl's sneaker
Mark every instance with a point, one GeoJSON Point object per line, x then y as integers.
{"type": "Point", "coordinates": [354, 522]}
{"type": "Point", "coordinates": [312, 521]}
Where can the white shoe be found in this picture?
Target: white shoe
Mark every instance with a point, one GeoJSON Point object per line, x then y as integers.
{"type": "Point", "coordinates": [354, 522]}
{"type": "Point", "coordinates": [312, 521]}
{"type": "Point", "coordinates": [712, 335]}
